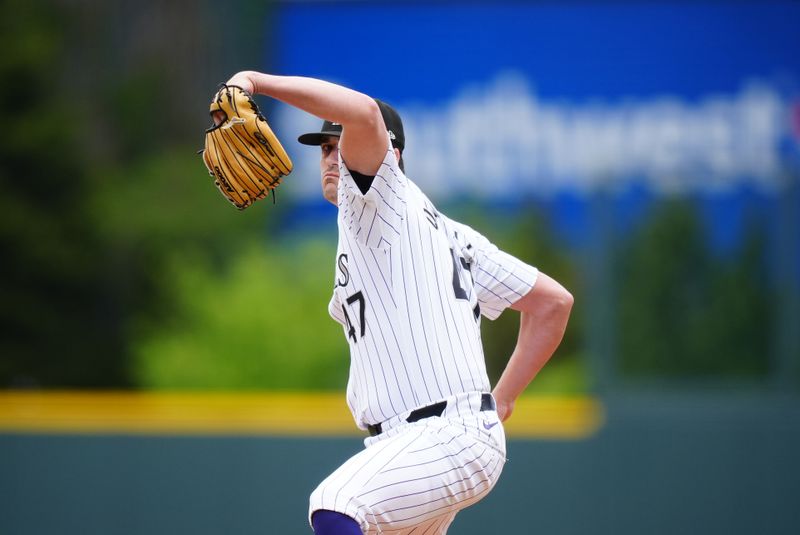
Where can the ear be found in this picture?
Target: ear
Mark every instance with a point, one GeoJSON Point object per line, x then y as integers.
{"type": "Point", "coordinates": [397, 154]}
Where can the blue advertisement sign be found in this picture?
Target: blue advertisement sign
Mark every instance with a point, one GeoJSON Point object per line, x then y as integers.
{"type": "Point", "coordinates": [556, 101]}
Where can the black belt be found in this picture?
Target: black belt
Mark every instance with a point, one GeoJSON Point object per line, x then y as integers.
{"type": "Point", "coordinates": [487, 404]}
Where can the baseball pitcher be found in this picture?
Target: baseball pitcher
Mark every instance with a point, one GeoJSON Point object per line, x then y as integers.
{"type": "Point", "coordinates": [410, 289]}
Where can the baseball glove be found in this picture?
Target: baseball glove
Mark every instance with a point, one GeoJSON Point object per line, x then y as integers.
{"type": "Point", "coordinates": [242, 154]}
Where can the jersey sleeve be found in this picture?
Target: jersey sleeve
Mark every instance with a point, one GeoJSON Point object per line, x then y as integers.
{"type": "Point", "coordinates": [374, 218]}
{"type": "Point", "coordinates": [499, 278]}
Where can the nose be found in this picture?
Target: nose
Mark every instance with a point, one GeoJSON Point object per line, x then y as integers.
{"type": "Point", "coordinates": [332, 158]}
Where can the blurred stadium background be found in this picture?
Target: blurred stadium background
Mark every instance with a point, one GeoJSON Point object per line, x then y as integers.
{"type": "Point", "coordinates": [167, 364]}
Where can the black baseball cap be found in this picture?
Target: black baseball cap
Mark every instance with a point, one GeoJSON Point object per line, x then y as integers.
{"type": "Point", "coordinates": [394, 125]}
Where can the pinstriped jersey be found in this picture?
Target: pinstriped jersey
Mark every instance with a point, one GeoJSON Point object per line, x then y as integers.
{"type": "Point", "coordinates": [410, 288]}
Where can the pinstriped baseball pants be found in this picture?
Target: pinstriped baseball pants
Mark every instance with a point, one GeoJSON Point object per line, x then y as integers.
{"type": "Point", "coordinates": [414, 477]}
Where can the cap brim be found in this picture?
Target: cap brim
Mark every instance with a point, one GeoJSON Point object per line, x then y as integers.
{"type": "Point", "coordinates": [316, 138]}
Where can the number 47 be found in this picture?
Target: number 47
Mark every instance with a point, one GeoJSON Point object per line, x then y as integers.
{"type": "Point", "coordinates": [357, 297]}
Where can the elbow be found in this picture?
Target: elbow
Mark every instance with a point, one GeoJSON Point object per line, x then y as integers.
{"type": "Point", "coordinates": [558, 306]}
{"type": "Point", "coordinates": [368, 113]}
{"type": "Point", "coordinates": [561, 305]}
{"type": "Point", "coordinates": [547, 301]}
{"type": "Point", "coordinates": [566, 301]}
{"type": "Point", "coordinates": [554, 310]}
{"type": "Point", "coordinates": [361, 114]}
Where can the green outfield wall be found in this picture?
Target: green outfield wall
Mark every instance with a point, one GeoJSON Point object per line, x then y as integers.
{"type": "Point", "coordinates": [657, 465]}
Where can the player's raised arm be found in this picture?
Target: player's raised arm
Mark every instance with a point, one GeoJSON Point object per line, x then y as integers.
{"type": "Point", "coordinates": [364, 139]}
{"type": "Point", "coordinates": [543, 320]}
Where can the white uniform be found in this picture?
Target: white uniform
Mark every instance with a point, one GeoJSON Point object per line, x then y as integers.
{"type": "Point", "coordinates": [410, 288]}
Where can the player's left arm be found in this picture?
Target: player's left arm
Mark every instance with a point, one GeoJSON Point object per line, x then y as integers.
{"type": "Point", "coordinates": [544, 312]}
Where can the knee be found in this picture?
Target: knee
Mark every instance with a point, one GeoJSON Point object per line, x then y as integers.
{"type": "Point", "coordinates": [327, 522]}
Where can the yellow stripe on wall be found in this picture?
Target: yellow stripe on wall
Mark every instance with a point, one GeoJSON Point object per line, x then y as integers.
{"type": "Point", "coordinates": [267, 413]}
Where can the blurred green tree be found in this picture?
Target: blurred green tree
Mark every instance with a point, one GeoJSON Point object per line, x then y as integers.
{"type": "Point", "coordinates": [525, 233]}
{"type": "Point", "coordinates": [260, 322]}
{"type": "Point", "coordinates": [57, 326]}
{"type": "Point", "coordinates": [686, 312]}
{"type": "Point", "coordinates": [101, 182]}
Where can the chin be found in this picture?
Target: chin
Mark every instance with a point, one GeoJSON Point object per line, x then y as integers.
{"type": "Point", "coordinates": [331, 195]}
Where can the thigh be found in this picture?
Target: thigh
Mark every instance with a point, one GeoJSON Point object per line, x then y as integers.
{"type": "Point", "coordinates": [435, 526]}
{"type": "Point", "coordinates": [420, 474]}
